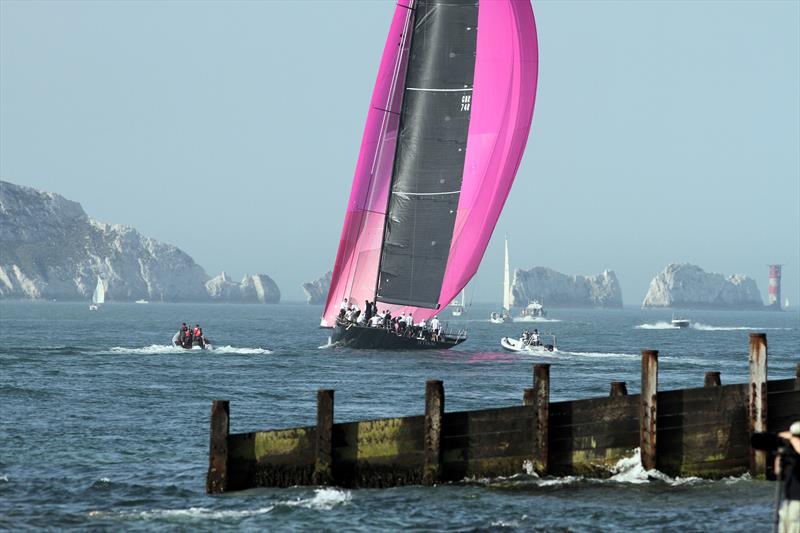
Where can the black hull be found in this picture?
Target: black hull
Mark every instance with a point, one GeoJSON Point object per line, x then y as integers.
{"type": "Point", "coordinates": [360, 337]}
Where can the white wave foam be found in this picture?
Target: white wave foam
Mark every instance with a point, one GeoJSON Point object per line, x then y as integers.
{"type": "Point", "coordinates": [105, 480]}
{"type": "Point", "coordinates": [630, 470]}
{"type": "Point", "coordinates": [241, 351]}
{"type": "Point", "coordinates": [657, 325]}
{"type": "Point", "coordinates": [4, 478]}
{"type": "Point", "coordinates": [191, 513]}
{"type": "Point", "coordinates": [327, 345]}
{"type": "Point", "coordinates": [527, 467]}
{"type": "Point", "coordinates": [705, 327]}
{"type": "Point", "coordinates": [156, 349]}
{"type": "Point", "coordinates": [503, 523]}
{"type": "Point", "coordinates": [323, 500]}
{"type": "Point", "coordinates": [534, 319]}
{"type": "Point", "coordinates": [148, 350]}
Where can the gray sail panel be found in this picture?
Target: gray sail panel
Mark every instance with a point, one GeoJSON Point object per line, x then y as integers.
{"type": "Point", "coordinates": [431, 146]}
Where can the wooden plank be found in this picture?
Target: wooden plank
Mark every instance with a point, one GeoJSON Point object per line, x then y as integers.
{"type": "Point", "coordinates": [371, 439]}
{"type": "Point", "coordinates": [618, 388]}
{"type": "Point", "coordinates": [217, 476]}
{"type": "Point", "coordinates": [297, 443]}
{"type": "Point", "coordinates": [781, 385]}
{"type": "Point", "coordinates": [712, 379]}
{"type": "Point", "coordinates": [591, 411]}
{"type": "Point", "coordinates": [484, 467]}
{"type": "Point", "coordinates": [489, 445]}
{"type": "Point", "coordinates": [528, 396]}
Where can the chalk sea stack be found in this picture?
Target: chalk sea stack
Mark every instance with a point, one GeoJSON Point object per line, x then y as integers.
{"type": "Point", "coordinates": [684, 285]}
{"type": "Point", "coordinates": [317, 290]}
{"type": "Point", "coordinates": [555, 289]}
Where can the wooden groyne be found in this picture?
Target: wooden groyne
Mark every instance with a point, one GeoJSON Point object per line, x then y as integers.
{"type": "Point", "coordinates": [702, 431]}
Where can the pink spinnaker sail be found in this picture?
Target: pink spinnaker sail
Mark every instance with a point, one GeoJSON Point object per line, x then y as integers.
{"type": "Point", "coordinates": [503, 94]}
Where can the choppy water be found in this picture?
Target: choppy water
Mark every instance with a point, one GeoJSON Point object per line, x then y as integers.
{"type": "Point", "coordinates": [104, 426]}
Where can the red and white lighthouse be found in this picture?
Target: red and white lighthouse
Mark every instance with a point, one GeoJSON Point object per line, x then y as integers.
{"type": "Point", "coordinates": [774, 288]}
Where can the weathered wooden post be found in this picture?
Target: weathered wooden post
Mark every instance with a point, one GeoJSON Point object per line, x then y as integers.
{"type": "Point", "coordinates": [618, 388]}
{"type": "Point", "coordinates": [217, 477]}
{"type": "Point", "coordinates": [712, 379]}
{"type": "Point", "coordinates": [323, 465]}
{"type": "Point", "coordinates": [758, 399]}
{"type": "Point", "coordinates": [528, 397]}
{"type": "Point", "coordinates": [541, 403]}
{"type": "Point", "coordinates": [649, 409]}
{"type": "Point", "coordinates": [434, 415]}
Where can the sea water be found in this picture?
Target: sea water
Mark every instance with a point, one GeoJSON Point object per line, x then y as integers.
{"type": "Point", "coordinates": [105, 426]}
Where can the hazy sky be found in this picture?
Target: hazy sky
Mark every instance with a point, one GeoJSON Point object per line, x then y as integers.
{"type": "Point", "coordinates": [663, 131]}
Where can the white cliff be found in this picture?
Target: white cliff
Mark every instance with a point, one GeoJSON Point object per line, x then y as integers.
{"type": "Point", "coordinates": [50, 248]}
{"type": "Point", "coordinates": [555, 289]}
{"type": "Point", "coordinates": [317, 290]}
{"type": "Point", "coordinates": [258, 288]}
{"type": "Point", "coordinates": [689, 286]}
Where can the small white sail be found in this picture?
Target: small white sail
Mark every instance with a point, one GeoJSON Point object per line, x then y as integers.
{"type": "Point", "coordinates": [99, 296]}
{"type": "Point", "coordinates": [506, 284]}
{"type": "Point", "coordinates": [463, 300]}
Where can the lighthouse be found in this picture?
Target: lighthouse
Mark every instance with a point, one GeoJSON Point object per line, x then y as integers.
{"type": "Point", "coordinates": [774, 288]}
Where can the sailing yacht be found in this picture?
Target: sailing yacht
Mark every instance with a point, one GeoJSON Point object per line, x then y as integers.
{"type": "Point", "coordinates": [458, 308]}
{"type": "Point", "coordinates": [98, 296]}
{"type": "Point", "coordinates": [505, 314]}
{"type": "Point", "coordinates": [445, 132]}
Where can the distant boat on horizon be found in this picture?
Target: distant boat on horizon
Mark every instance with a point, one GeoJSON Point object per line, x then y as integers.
{"type": "Point", "coordinates": [458, 308]}
{"type": "Point", "coordinates": [680, 322]}
{"type": "Point", "coordinates": [505, 314]}
{"type": "Point", "coordinates": [98, 296]}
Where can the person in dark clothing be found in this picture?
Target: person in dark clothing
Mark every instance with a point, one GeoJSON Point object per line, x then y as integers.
{"type": "Point", "coordinates": [787, 468]}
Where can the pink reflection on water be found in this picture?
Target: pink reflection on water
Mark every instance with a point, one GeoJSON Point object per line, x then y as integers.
{"type": "Point", "coordinates": [492, 357]}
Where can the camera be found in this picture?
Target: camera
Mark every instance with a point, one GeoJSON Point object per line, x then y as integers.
{"type": "Point", "coordinates": [770, 442]}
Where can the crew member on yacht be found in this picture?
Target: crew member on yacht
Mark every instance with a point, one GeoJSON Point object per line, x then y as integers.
{"type": "Point", "coordinates": [535, 337]}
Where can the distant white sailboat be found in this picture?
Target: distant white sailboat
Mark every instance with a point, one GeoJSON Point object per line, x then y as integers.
{"type": "Point", "coordinates": [99, 296]}
{"type": "Point", "coordinates": [505, 315]}
{"type": "Point", "coordinates": [458, 309]}
{"type": "Point", "coordinates": [786, 303]}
